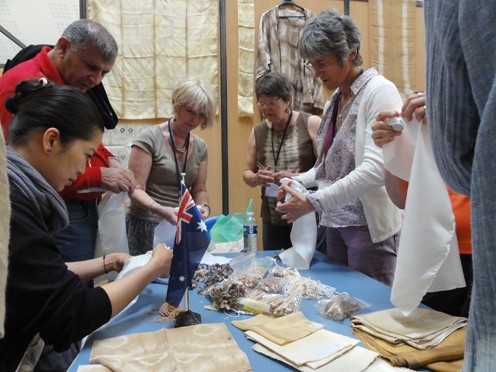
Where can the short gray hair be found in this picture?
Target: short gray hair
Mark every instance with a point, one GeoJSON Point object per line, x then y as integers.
{"type": "Point", "coordinates": [328, 33]}
{"type": "Point", "coordinates": [194, 94]}
{"type": "Point", "coordinates": [82, 31]}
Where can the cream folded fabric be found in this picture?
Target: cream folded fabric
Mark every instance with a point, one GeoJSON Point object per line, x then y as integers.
{"type": "Point", "coordinates": [422, 329]}
{"type": "Point", "coordinates": [281, 330]}
{"type": "Point", "coordinates": [315, 350]}
{"type": "Point", "coordinates": [203, 347]}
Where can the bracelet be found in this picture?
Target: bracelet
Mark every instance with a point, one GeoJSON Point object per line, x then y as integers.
{"type": "Point", "coordinates": [150, 206]}
{"type": "Point", "coordinates": [104, 266]}
{"type": "Point", "coordinates": [208, 207]}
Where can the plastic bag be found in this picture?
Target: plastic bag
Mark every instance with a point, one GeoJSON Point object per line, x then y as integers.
{"type": "Point", "coordinates": [228, 228]}
{"type": "Point", "coordinates": [111, 236]}
{"type": "Point", "coordinates": [341, 306]}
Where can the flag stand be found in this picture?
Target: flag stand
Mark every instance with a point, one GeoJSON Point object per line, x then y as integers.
{"type": "Point", "coordinates": [188, 317]}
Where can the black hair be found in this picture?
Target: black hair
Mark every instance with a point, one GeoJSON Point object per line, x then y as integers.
{"type": "Point", "coordinates": [38, 105]}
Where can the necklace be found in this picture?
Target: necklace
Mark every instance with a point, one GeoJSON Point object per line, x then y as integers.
{"type": "Point", "coordinates": [183, 149]}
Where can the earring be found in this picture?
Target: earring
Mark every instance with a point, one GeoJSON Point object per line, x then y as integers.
{"type": "Point", "coordinates": [49, 150]}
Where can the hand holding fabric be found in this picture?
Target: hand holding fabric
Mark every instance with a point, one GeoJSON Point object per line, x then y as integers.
{"type": "Point", "coordinates": [294, 207]}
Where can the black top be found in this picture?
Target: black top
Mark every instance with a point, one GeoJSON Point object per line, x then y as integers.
{"type": "Point", "coordinates": [42, 295]}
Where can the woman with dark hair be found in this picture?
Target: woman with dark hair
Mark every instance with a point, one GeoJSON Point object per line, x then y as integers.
{"type": "Point", "coordinates": [283, 145]}
{"type": "Point", "coordinates": [362, 223]}
{"type": "Point", "coordinates": [54, 131]}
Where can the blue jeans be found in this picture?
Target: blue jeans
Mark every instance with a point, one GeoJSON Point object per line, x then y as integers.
{"type": "Point", "coordinates": [461, 99]}
{"type": "Point", "coordinates": [77, 241]}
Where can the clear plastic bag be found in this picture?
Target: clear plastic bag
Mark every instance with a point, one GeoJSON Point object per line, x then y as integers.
{"type": "Point", "coordinates": [340, 306]}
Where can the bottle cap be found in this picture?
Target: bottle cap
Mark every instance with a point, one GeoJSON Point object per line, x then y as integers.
{"type": "Point", "coordinates": [250, 206]}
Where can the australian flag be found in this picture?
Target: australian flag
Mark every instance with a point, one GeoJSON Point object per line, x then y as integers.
{"type": "Point", "coordinates": [192, 240]}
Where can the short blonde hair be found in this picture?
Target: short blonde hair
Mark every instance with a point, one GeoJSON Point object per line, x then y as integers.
{"type": "Point", "coordinates": [197, 96]}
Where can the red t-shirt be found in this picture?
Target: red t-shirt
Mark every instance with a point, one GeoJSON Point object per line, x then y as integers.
{"type": "Point", "coordinates": [42, 66]}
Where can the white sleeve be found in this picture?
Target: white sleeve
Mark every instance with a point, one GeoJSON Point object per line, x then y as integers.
{"type": "Point", "coordinates": [369, 171]}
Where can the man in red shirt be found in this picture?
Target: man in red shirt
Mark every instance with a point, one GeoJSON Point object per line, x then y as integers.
{"type": "Point", "coordinates": [81, 57]}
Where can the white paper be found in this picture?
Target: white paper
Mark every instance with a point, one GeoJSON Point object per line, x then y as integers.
{"type": "Point", "coordinates": [428, 257]}
{"type": "Point", "coordinates": [303, 236]}
{"type": "Point", "coordinates": [165, 232]}
{"type": "Point", "coordinates": [271, 190]}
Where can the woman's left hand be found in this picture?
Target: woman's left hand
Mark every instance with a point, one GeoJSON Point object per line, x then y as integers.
{"type": "Point", "coordinates": [295, 207]}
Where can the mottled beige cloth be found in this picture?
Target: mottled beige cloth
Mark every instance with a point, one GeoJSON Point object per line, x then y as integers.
{"type": "Point", "coordinates": [203, 347]}
{"type": "Point", "coordinates": [246, 57]}
{"type": "Point", "coordinates": [392, 42]}
{"type": "Point", "coordinates": [281, 330]}
{"type": "Point", "coordinates": [160, 44]}
{"type": "Point", "coordinates": [4, 230]}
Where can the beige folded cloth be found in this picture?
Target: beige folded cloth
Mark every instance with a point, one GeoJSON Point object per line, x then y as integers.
{"type": "Point", "coordinates": [281, 330]}
{"type": "Point", "coordinates": [449, 350]}
{"type": "Point", "coordinates": [315, 350]}
{"type": "Point", "coordinates": [422, 328]}
{"type": "Point", "coordinates": [203, 347]}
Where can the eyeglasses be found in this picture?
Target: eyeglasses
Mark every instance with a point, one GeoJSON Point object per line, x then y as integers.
{"type": "Point", "coordinates": [317, 66]}
{"type": "Point", "coordinates": [269, 104]}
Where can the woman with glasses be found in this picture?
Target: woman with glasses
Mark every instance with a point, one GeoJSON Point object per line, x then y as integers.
{"type": "Point", "coordinates": [362, 224]}
{"type": "Point", "coordinates": [282, 145]}
{"type": "Point", "coordinates": [158, 157]}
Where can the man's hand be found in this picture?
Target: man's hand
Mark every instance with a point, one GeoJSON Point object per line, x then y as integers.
{"type": "Point", "coordinates": [117, 179]}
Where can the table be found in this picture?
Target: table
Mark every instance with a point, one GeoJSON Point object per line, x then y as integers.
{"type": "Point", "coordinates": [137, 318]}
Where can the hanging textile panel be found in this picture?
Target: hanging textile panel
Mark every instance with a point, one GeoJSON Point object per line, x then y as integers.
{"type": "Point", "coordinates": [161, 42]}
{"type": "Point", "coordinates": [278, 37]}
{"type": "Point", "coordinates": [393, 40]}
{"type": "Point", "coordinates": [246, 55]}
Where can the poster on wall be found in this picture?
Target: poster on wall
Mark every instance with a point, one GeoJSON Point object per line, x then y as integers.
{"type": "Point", "coordinates": [33, 22]}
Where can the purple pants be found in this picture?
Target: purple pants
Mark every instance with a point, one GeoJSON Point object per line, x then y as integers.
{"type": "Point", "coordinates": [353, 247]}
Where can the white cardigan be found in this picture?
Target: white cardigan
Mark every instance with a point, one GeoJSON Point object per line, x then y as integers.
{"type": "Point", "coordinates": [366, 181]}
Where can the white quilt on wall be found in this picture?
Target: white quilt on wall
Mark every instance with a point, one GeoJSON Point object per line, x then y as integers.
{"type": "Point", "coordinates": [161, 42]}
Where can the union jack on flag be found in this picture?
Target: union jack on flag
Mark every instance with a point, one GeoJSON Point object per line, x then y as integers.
{"type": "Point", "coordinates": [192, 240]}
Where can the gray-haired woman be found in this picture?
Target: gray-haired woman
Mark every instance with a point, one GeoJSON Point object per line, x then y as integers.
{"type": "Point", "coordinates": [361, 222]}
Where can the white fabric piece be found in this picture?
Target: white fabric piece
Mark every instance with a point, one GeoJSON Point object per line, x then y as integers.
{"type": "Point", "coordinates": [314, 350]}
{"type": "Point", "coordinates": [303, 236]}
{"type": "Point", "coordinates": [356, 359]}
{"type": "Point", "coordinates": [428, 257]}
{"type": "Point", "coordinates": [164, 232]}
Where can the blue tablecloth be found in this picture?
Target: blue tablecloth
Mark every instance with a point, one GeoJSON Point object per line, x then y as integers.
{"type": "Point", "coordinates": [137, 318]}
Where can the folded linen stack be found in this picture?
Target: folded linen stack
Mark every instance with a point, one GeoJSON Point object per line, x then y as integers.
{"type": "Point", "coordinates": [205, 347]}
{"type": "Point", "coordinates": [305, 345]}
{"type": "Point", "coordinates": [419, 339]}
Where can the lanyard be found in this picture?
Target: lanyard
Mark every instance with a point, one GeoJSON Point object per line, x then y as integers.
{"type": "Point", "coordinates": [276, 157]}
{"type": "Point", "coordinates": [331, 130]}
{"type": "Point", "coordinates": [178, 174]}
